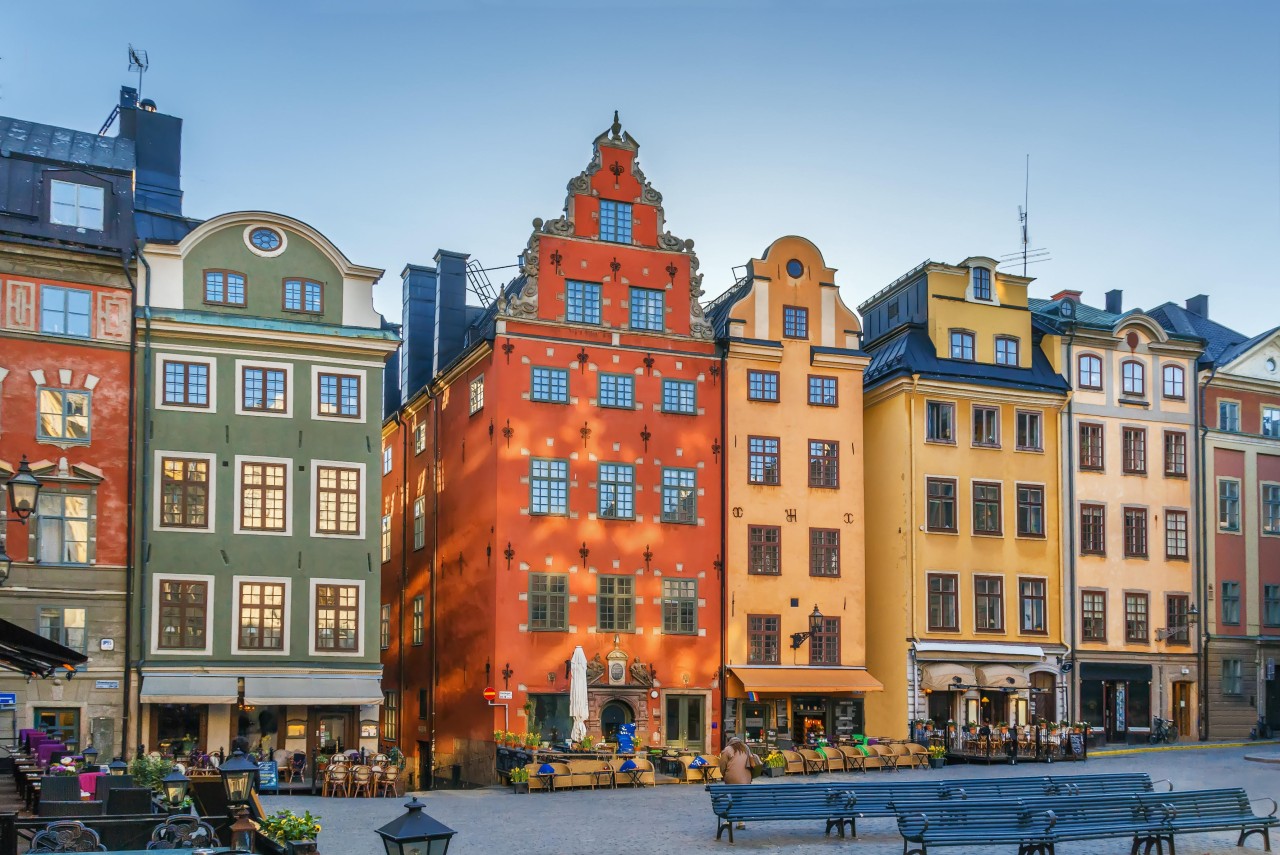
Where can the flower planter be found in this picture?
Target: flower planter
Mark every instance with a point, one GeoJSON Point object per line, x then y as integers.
{"type": "Point", "coordinates": [302, 847]}
{"type": "Point", "coordinates": [520, 788]}
{"type": "Point", "coordinates": [937, 762]}
{"type": "Point", "coordinates": [775, 771]}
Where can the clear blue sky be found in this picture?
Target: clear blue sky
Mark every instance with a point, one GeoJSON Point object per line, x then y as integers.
{"type": "Point", "coordinates": [887, 132]}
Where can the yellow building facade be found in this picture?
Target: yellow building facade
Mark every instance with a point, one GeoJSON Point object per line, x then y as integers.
{"type": "Point", "coordinates": [795, 644]}
{"type": "Point", "coordinates": [964, 571]}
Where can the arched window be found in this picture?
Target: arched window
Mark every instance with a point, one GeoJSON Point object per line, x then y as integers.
{"type": "Point", "coordinates": [1174, 380]}
{"type": "Point", "coordinates": [1133, 378]}
{"type": "Point", "coordinates": [1090, 372]}
{"type": "Point", "coordinates": [981, 283]}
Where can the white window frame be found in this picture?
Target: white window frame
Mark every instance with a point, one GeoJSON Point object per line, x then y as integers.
{"type": "Point", "coordinates": [316, 371]}
{"type": "Point", "coordinates": [388, 460]}
{"type": "Point", "coordinates": [313, 502]}
{"type": "Point", "coordinates": [290, 388]}
{"type": "Point", "coordinates": [420, 523]}
{"type": "Point", "coordinates": [157, 491]}
{"type": "Point", "coordinates": [209, 361]}
{"type": "Point", "coordinates": [311, 619]}
{"type": "Point", "coordinates": [236, 581]}
{"type": "Point", "coordinates": [1223, 528]}
{"type": "Point", "coordinates": [209, 607]}
{"type": "Point", "coordinates": [289, 466]}
{"type": "Point", "coordinates": [475, 403]}
{"type": "Point", "coordinates": [80, 187]}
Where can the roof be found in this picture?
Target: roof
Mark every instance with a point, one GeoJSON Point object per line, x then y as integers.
{"type": "Point", "coordinates": [1222, 344]}
{"type": "Point", "coordinates": [717, 311]}
{"type": "Point", "coordinates": [909, 350]}
{"type": "Point", "coordinates": [163, 228]}
{"type": "Point", "coordinates": [48, 142]}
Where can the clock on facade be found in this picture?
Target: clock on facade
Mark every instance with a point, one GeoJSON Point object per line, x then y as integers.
{"type": "Point", "coordinates": [267, 240]}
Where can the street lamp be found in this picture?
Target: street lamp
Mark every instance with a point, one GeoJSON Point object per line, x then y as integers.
{"type": "Point", "coordinates": [815, 626]}
{"type": "Point", "coordinates": [24, 489]}
{"type": "Point", "coordinates": [415, 833]}
{"type": "Point", "coordinates": [237, 780]}
{"type": "Point", "coordinates": [90, 756]}
{"type": "Point", "coordinates": [175, 787]}
{"type": "Point", "coordinates": [118, 768]}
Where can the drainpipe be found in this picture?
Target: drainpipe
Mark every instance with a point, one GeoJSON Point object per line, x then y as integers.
{"type": "Point", "coordinates": [130, 491]}
{"type": "Point", "coordinates": [144, 500]}
{"type": "Point", "coordinates": [433, 671]}
{"type": "Point", "coordinates": [915, 545]}
{"type": "Point", "coordinates": [1201, 570]}
{"type": "Point", "coordinates": [724, 540]}
{"type": "Point", "coordinates": [404, 575]}
{"type": "Point", "coordinates": [1073, 684]}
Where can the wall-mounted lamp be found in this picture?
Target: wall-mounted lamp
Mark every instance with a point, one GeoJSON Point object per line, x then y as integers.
{"type": "Point", "coordinates": [815, 626]}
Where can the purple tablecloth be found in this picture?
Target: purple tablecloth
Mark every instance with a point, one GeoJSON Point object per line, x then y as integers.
{"type": "Point", "coordinates": [47, 750]}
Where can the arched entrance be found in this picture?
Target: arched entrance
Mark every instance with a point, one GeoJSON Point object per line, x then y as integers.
{"type": "Point", "coordinates": [612, 715]}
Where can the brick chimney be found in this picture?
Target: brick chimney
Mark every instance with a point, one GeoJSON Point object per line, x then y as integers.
{"type": "Point", "coordinates": [1068, 294]}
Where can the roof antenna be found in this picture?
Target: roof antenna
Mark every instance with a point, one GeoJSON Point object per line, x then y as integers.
{"type": "Point", "coordinates": [138, 62]}
{"type": "Point", "coordinates": [1028, 255]}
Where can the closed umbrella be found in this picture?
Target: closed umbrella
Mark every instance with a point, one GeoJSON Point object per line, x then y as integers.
{"type": "Point", "coordinates": [578, 694]}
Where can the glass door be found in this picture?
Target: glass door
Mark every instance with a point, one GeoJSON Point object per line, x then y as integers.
{"type": "Point", "coordinates": [755, 722]}
{"type": "Point", "coordinates": [332, 732]}
{"type": "Point", "coordinates": [61, 724]}
{"type": "Point", "coordinates": [684, 722]}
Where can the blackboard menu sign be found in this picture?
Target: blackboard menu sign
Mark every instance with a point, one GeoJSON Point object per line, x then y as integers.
{"type": "Point", "coordinates": [780, 714]}
{"type": "Point", "coordinates": [730, 716]}
{"type": "Point", "coordinates": [268, 775]}
{"type": "Point", "coordinates": [1077, 744]}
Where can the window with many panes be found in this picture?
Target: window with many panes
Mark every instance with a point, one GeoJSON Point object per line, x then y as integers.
{"type": "Point", "coordinates": [186, 384]}
{"type": "Point", "coordinates": [390, 716]}
{"type": "Point", "coordinates": [550, 385]}
{"type": "Point", "coordinates": [647, 309]}
{"type": "Point", "coordinates": [420, 522]}
{"type": "Point", "coordinates": [617, 491]}
{"type": "Point", "coordinates": [582, 302]}
{"type": "Point", "coordinates": [1176, 607]}
{"type": "Point", "coordinates": [1133, 378]}
{"type": "Point", "coordinates": [615, 221]}
{"type": "Point", "coordinates": [184, 492]}
{"type": "Point", "coordinates": [548, 486]}
{"type": "Point", "coordinates": [824, 463]}
{"type": "Point", "coordinates": [940, 421]}
{"type": "Point", "coordinates": [1030, 510]}
{"type": "Point", "coordinates": [679, 607]}
{"type": "Point", "coordinates": [615, 603]}
{"type": "Point", "coordinates": [384, 626]}
{"type": "Point", "coordinates": [1135, 532]}
{"type": "Point", "coordinates": [337, 500]}
{"type": "Point", "coordinates": [763, 633]}
{"type": "Point", "coordinates": [62, 527]}
{"type": "Point", "coordinates": [77, 205]}
{"type": "Point", "coordinates": [224, 288]}
{"type": "Point", "coordinates": [618, 390]}
{"type": "Point", "coordinates": [264, 390]}
{"type": "Point", "coordinates": [183, 613]}
{"type": "Point", "coordinates": [548, 602]}
{"type": "Point", "coordinates": [262, 616]}
{"type": "Point", "coordinates": [1232, 676]}
{"type": "Point", "coordinates": [1032, 605]}
{"type": "Point", "coordinates": [1174, 382]}
{"type": "Point", "coordinates": [762, 386]}
{"type": "Point", "coordinates": [763, 460]}
{"type": "Point", "coordinates": [262, 496]}
{"type": "Point", "coordinates": [764, 550]}
{"type": "Point", "coordinates": [1006, 351]}
{"type": "Point", "coordinates": [943, 612]}
{"type": "Point", "coordinates": [1271, 605]}
{"type": "Point", "coordinates": [1091, 447]}
{"type": "Point", "coordinates": [337, 617]}
{"type": "Point", "coordinates": [1093, 529]}
{"type": "Point", "coordinates": [64, 415]}
{"type": "Point", "coordinates": [65, 626]}
{"type": "Point", "coordinates": [1089, 372]}
{"type": "Point", "coordinates": [941, 504]}
{"type": "Point", "coordinates": [1228, 504]}
{"type": "Point", "coordinates": [680, 496]}
{"type": "Point", "coordinates": [386, 538]}
{"type": "Point", "coordinates": [986, 426]}
{"type": "Point", "coordinates": [988, 604]}
{"type": "Point", "coordinates": [419, 438]}
{"type": "Point", "coordinates": [1135, 617]}
{"type": "Point", "coordinates": [824, 642]}
{"type": "Point", "coordinates": [340, 395]}
{"type": "Point", "coordinates": [1134, 450]}
{"type": "Point", "coordinates": [1231, 603]}
{"type": "Point", "coordinates": [824, 552]}
{"type": "Point", "coordinates": [1175, 454]}
{"type": "Point", "coordinates": [1229, 416]}
{"type": "Point", "coordinates": [475, 395]}
{"type": "Point", "coordinates": [981, 283]}
{"type": "Point", "coordinates": [986, 508]}
{"type": "Point", "coordinates": [303, 295]}
{"type": "Point", "coordinates": [1030, 437]}
{"type": "Point", "coordinates": [1271, 508]}
{"type": "Point", "coordinates": [679, 396]}
{"type": "Point", "coordinates": [962, 345]}
{"type": "Point", "coordinates": [822, 391]}
{"type": "Point", "coordinates": [795, 322]}
{"type": "Point", "coordinates": [1093, 615]}
{"type": "Point", "coordinates": [1175, 534]}
{"type": "Point", "coordinates": [417, 613]}
{"type": "Point", "coordinates": [1271, 421]}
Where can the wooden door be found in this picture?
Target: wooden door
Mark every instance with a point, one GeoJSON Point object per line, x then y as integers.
{"type": "Point", "coordinates": [1182, 708]}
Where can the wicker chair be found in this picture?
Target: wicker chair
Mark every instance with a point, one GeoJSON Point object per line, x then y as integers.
{"type": "Point", "coordinates": [297, 768]}
{"type": "Point", "coordinates": [361, 781]}
{"type": "Point", "coordinates": [389, 782]}
{"type": "Point", "coordinates": [66, 836]}
{"type": "Point", "coordinates": [183, 832]}
{"type": "Point", "coordinates": [337, 781]}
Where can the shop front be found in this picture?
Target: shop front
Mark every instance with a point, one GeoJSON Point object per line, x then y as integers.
{"type": "Point", "coordinates": [774, 707]}
{"type": "Point", "coordinates": [1115, 698]}
{"type": "Point", "coordinates": [955, 685]}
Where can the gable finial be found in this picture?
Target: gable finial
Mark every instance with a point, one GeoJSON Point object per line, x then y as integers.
{"type": "Point", "coordinates": [615, 130]}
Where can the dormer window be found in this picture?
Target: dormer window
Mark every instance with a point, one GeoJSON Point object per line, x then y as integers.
{"type": "Point", "coordinates": [981, 283]}
{"type": "Point", "coordinates": [76, 205]}
{"type": "Point", "coordinates": [962, 345]}
{"type": "Point", "coordinates": [1006, 351]}
{"type": "Point", "coordinates": [615, 221]}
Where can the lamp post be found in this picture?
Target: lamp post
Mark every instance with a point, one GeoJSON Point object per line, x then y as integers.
{"type": "Point", "coordinates": [24, 491]}
{"type": "Point", "coordinates": [117, 768]}
{"type": "Point", "coordinates": [815, 626]}
{"type": "Point", "coordinates": [237, 780]}
{"type": "Point", "coordinates": [415, 833]}
{"type": "Point", "coordinates": [175, 788]}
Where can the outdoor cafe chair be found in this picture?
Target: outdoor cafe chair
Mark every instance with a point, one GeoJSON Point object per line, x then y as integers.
{"type": "Point", "coordinates": [183, 832]}
{"type": "Point", "coordinates": [66, 836]}
{"type": "Point", "coordinates": [361, 781]}
{"type": "Point", "coordinates": [389, 781]}
{"type": "Point", "coordinates": [60, 788]}
{"type": "Point", "coordinates": [296, 770]}
{"type": "Point", "coordinates": [337, 780]}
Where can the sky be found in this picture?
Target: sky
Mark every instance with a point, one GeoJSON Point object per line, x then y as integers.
{"type": "Point", "coordinates": [885, 132]}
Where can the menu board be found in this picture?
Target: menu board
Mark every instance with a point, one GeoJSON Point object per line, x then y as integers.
{"type": "Point", "coordinates": [268, 775]}
{"type": "Point", "coordinates": [780, 715]}
{"type": "Point", "coordinates": [1077, 744]}
{"type": "Point", "coordinates": [730, 717]}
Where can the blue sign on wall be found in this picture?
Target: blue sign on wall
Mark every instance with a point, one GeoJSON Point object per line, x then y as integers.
{"type": "Point", "coordinates": [8, 699]}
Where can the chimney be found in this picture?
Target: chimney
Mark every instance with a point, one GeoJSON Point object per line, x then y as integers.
{"type": "Point", "coordinates": [1115, 301]}
{"type": "Point", "coordinates": [391, 385]}
{"type": "Point", "coordinates": [1199, 305]}
{"type": "Point", "coordinates": [1068, 294]}
{"type": "Point", "coordinates": [417, 334]}
{"type": "Point", "coordinates": [451, 305]}
{"type": "Point", "coordinates": [157, 140]}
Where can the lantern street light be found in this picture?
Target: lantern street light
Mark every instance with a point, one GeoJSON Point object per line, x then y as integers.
{"type": "Point", "coordinates": [815, 626]}
{"type": "Point", "coordinates": [175, 788]}
{"type": "Point", "coordinates": [237, 780]}
{"type": "Point", "coordinates": [24, 490]}
{"type": "Point", "coordinates": [118, 768]}
{"type": "Point", "coordinates": [90, 756]}
{"type": "Point", "coordinates": [416, 833]}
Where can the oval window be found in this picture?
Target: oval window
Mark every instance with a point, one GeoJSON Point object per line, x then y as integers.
{"type": "Point", "coordinates": [267, 240]}
{"type": "Point", "coordinates": [795, 269]}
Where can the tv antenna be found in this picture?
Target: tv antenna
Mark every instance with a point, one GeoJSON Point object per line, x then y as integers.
{"type": "Point", "coordinates": [1027, 255]}
{"type": "Point", "coordinates": [138, 62]}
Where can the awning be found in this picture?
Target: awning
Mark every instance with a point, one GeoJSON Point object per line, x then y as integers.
{"type": "Point", "coordinates": [187, 689]}
{"type": "Point", "coordinates": [26, 652]}
{"type": "Point", "coordinates": [1002, 676]}
{"type": "Point", "coordinates": [1114, 671]}
{"type": "Point", "coordinates": [338, 690]}
{"type": "Point", "coordinates": [959, 649]}
{"type": "Point", "coordinates": [941, 676]}
{"type": "Point", "coordinates": [812, 680]}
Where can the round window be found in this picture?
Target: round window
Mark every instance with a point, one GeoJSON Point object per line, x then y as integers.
{"type": "Point", "coordinates": [1271, 365]}
{"type": "Point", "coordinates": [267, 240]}
{"type": "Point", "coordinates": [795, 269]}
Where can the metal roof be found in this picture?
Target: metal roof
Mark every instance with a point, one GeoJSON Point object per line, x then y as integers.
{"type": "Point", "coordinates": [1222, 344]}
{"type": "Point", "coordinates": [909, 350]}
{"type": "Point", "coordinates": [62, 145]}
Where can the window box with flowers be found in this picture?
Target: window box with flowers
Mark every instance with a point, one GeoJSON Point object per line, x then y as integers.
{"type": "Point", "coordinates": [775, 765]}
{"type": "Point", "coordinates": [937, 756]}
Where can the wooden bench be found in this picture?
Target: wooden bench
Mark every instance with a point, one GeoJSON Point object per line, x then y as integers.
{"type": "Point", "coordinates": [779, 802]}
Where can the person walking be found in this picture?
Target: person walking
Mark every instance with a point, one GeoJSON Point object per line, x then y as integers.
{"type": "Point", "coordinates": [736, 763]}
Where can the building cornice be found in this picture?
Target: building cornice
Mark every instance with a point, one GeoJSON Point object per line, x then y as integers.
{"type": "Point", "coordinates": [278, 338]}
{"type": "Point", "coordinates": [969, 391]}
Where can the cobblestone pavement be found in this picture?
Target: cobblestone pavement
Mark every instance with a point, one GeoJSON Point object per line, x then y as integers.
{"type": "Point", "coordinates": [677, 819]}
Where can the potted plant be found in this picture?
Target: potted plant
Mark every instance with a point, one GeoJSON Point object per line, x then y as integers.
{"type": "Point", "coordinates": [937, 756]}
{"type": "Point", "coordinates": [519, 778]}
{"type": "Point", "coordinates": [775, 765]}
{"type": "Point", "coordinates": [499, 737]}
{"type": "Point", "coordinates": [587, 742]}
{"type": "Point", "coordinates": [531, 740]}
{"type": "Point", "coordinates": [951, 725]}
{"type": "Point", "coordinates": [294, 834]}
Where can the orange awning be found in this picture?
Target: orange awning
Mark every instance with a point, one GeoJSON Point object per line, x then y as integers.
{"type": "Point", "coordinates": [801, 680]}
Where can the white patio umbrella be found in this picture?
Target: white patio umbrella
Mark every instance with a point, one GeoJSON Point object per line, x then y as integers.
{"type": "Point", "coordinates": [578, 694]}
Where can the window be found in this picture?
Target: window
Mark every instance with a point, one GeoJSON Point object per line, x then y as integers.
{"type": "Point", "coordinates": [184, 492]}
{"type": "Point", "coordinates": [1135, 532]}
{"type": "Point", "coordinates": [822, 391]}
{"type": "Point", "coordinates": [76, 205]}
{"type": "Point", "coordinates": [1174, 381]}
{"type": "Point", "coordinates": [762, 460]}
{"type": "Point", "coordinates": [186, 384]}
{"type": "Point", "coordinates": [1089, 370]}
{"type": "Point", "coordinates": [1231, 603]}
{"type": "Point", "coordinates": [386, 538]}
{"type": "Point", "coordinates": [680, 496]}
{"type": "Point", "coordinates": [1030, 510]}
{"type": "Point", "coordinates": [615, 604]}
{"type": "Point", "coordinates": [420, 522]}
{"type": "Point", "coordinates": [1093, 530]}
{"type": "Point", "coordinates": [63, 522]}
{"type": "Point", "coordinates": [679, 396]}
{"type": "Point", "coordinates": [418, 608]}
{"type": "Point", "coordinates": [262, 616]}
{"type": "Point", "coordinates": [795, 322]}
{"type": "Point", "coordinates": [1229, 416]}
{"type": "Point", "coordinates": [824, 463]}
{"type": "Point", "coordinates": [941, 504]}
{"type": "Point", "coordinates": [764, 550]}
{"type": "Point", "coordinates": [1176, 607]}
{"type": "Point", "coordinates": [387, 461]}
{"type": "Point", "coordinates": [64, 626]}
{"type": "Point", "coordinates": [1133, 378]}
{"type": "Point", "coordinates": [1175, 454]}
{"type": "Point", "coordinates": [962, 345]}
{"type": "Point", "coordinates": [988, 603]}
{"type": "Point", "coordinates": [1228, 504]}
{"type": "Point", "coordinates": [1135, 617]}
{"type": "Point", "coordinates": [183, 612]}
{"type": "Point", "coordinates": [943, 616]}
{"type": "Point", "coordinates": [1093, 615]}
{"type": "Point", "coordinates": [390, 716]}
{"type": "Point", "coordinates": [419, 440]}
{"type": "Point", "coordinates": [1232, 677]}
{"type": "Point", "coordinates": [981, 283]}
{"type": "Point", "coordinates": [340, 395]}
{"type": "Point", "coordinates": [940, 421]}
{"type": "Point", "coordinates": [1006, 351]}
{"type": "Point", "coordinates": [824, 552]}
{"type": "Point", "coordinates": [1271, 605]}
{"type": "Point", "coordinates": [1271, 508]}
{"type": "Point", "coordinates": [1271, 421]}
{"type": "Point", "coordinates": [64, 415]}
{"type": "Point", "coordinates": [267, 240]}
{"type": "Point", "coordinates": [1091, 447]}
{"type": "Point", "coordinates": [615, 221]}
{"type": "Point", "coordinates": [548, 602]}
{"type": "Point", "coordinates": [337, 617]}
{"type": "Point", "coordinates": [475, 395]}
{"type": "Point", "coordinates": [824, 642]}
{"type": "Point", "coordinates": [549, 486]}
{"type": "Point", "coordinates": [762, 386]}
{"type": "Point", "coordinates": [224, 288]}
{"type": "Point", "coordinates": [262, 496]}
{"type": "Point", "coordinates": [647, 309]}
{"type": "Point", "coordinates": [1134, 451]}
{"type": "Point", "coordinates": [302, 295]}
{"type": "Point", "coordinates": [337, 500]}
{"type": "Point", "coordinates": [617, 491]}
{"type": "Point", "coordinates": [1175, 534]}
{"type": "Point", "coordinates": [617, 390]}
{"type": "Point", "coordinates": [986, 426]}
{"type": "Point", "coordinates": [264, 390]}
{"type": "Point", "coordinates": [550, 385]}
{"type": "Point", "coordinates": [65, 311]}
{"type": "Point", "coordinates": [762, 639]}
{"type": "Point", "coordinates": [986, 508]}
{"type": "Point", "coordinates": [583, 300]}
{"type": "Point", "coordinates": [679, 607]}
{"type": "Point", "coordinates": [1030, 437]}
{"type": "Point", "coordinates": [1031, 603]}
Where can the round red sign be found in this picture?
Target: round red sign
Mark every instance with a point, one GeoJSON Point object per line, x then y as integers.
{"type": "Point", "coordinates": [490, 694]}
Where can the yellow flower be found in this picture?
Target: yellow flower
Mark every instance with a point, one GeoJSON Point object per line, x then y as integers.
{"type": "Point", "coordinates": [317, 828]}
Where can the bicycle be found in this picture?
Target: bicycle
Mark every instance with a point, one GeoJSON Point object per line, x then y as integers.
{"type": "Point", "coordinates": [1163, 730]}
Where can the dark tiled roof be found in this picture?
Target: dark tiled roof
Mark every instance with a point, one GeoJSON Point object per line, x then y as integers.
{"type": "Point", "coordinates": [48, 142]}
{"type": "Point", "coordinates": [1221, 342]}
{"type": "Point", "coordinates": [717, 311]}
{"type": "Point", "coordinates": [908, 350]}
{"type": "Point", "coordinates": [162, 228]}
{"type": "Point", "coordinates": [1085, 315]}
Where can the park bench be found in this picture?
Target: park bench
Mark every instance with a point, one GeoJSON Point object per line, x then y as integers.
{"type": "Point", "coordinates": [1196, 811]}
{"type": "Point", "coordinates": [779, 802]}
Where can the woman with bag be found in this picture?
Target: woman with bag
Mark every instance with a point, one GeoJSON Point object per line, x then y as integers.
{"type": "Point", "coordinates": [736, 764]}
